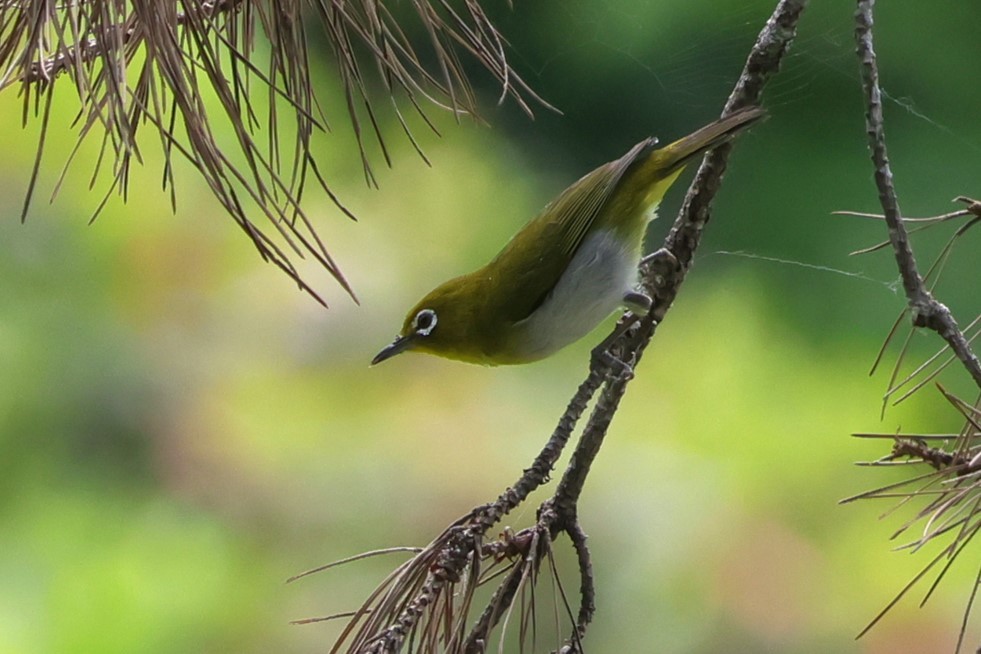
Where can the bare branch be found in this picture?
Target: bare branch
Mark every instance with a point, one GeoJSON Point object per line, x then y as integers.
{"type": "Point", "coordinates": [926, 311]}
{"type": "Point", "coordinates": [952, 489]}
{"type": "Point", "coordinates": [458, 553]}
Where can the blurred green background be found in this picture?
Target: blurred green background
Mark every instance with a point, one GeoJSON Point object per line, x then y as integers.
{"type": "Point", "coordinates": [181, 430]}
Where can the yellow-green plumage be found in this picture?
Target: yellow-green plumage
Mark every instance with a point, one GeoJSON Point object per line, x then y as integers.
{"type": "Point", "coordinates": [564, 271]}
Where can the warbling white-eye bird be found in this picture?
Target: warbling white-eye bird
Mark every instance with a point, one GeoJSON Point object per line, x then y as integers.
{"type": "Point", "coordinates": [564, 272]}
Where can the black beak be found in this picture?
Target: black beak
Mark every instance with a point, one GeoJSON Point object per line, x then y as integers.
{"type": "Point", "coordinates": [399, 345]}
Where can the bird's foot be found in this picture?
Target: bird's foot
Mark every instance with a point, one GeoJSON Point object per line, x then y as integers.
{"type": "Point", "coordinates": [608, 355]}
{"type": "Point", "coordinates": [660, 268]}
{"type": "Point", "coordinates": [659, 255]}
{"type": "Point", "coordinates": [637, 302]}
{"type": "Point", "coordinates": [602, 360]}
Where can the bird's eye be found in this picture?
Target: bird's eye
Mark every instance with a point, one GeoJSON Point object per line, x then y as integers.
{"type": "Point", "coordinates": [425, 322]}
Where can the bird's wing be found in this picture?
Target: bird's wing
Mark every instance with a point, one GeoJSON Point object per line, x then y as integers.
{"type": "Point", "coordinates": [535, 268]}
{"type": "Point", "coordinates": [581, 203]}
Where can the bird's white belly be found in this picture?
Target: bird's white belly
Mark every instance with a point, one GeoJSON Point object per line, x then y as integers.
{"type": "Point", "coordinates": [590, 289]}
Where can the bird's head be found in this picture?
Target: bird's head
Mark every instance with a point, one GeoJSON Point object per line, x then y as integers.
{"type": "Point", "coordinates": [444, 323]}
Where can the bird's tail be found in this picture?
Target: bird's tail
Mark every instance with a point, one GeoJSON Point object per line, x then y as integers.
{"type": "Point", "coordinates": [674, 156]}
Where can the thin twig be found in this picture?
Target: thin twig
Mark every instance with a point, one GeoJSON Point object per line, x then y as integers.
{"type": "Point", "coordinates": [662, 275]}
{"type": "Point", "coordinates": [926, 311]}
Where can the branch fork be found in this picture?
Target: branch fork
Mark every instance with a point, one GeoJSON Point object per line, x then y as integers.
{"type": "Point", "coordinates": [952, 490]}
{"type": "Point", "coordinates": [443, 577]}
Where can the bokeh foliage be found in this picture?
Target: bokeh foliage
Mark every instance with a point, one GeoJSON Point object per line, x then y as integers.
{"type": "Point", "coordinates": [180, 430]}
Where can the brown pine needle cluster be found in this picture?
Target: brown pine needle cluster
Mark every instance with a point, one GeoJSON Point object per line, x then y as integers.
{"type": "Point", "coordinates": [189, 70]}
{"type": "Point", "coordinates": [948, 494]}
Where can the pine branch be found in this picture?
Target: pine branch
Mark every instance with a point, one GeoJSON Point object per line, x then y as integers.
{"type": "Point", "coordinates": [402, 612]}
{"type": "Point", "coordinates": [925, 309]}
{"type": "Point", "coordinates": [189, 72]}
{"type": "Point", "coordinates": [951, 488]}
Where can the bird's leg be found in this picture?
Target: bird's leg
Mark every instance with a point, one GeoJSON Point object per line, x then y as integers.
{"type": "Point", "coordinates": [657, 254]}
{"type": "Point", "coordinates": [601, 354]}
{"type": "Point", "coordinates": [639, 305]}
{"type": "Point", "coordinates": [628, 321]}
{"type": "Point", "coordinates": [602, 358]}
{"type": "Point", "coordinates": [660, 270]}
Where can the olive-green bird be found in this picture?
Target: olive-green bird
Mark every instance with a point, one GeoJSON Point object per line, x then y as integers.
{"type": "Point", "coordinates": [565, 271]}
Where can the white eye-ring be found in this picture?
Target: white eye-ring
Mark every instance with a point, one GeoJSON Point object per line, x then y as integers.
{"type": "Point", "coordinates": [425, 322]}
